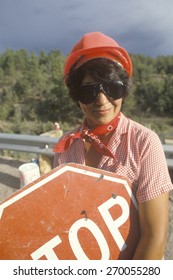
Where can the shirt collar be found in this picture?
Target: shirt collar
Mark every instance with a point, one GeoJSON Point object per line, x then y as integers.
{"type": "Point", "coordinates": [122, 125]}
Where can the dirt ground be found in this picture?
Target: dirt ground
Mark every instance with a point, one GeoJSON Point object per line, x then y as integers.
{"type": "Point", "coordinates": [9, 176]}
{"type": "Point", "coordinates": [10, 182]}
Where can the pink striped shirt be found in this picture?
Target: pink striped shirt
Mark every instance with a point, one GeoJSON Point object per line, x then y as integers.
{"type": "Point", "coordinates": [139, 156]}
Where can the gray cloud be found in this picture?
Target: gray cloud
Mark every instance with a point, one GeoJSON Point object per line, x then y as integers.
{"type": "Point", "coordinates": [143, 26]}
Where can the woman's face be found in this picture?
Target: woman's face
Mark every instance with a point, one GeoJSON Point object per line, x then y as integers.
{"type": "Point", "coordinates": [102, 110]}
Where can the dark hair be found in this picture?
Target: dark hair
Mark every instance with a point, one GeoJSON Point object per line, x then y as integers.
{"type": "Point", "coordinates": [101, 70]}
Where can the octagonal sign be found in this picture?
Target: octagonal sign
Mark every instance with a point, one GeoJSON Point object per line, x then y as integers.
{"type": "Point", "coordinates": [72, 213]}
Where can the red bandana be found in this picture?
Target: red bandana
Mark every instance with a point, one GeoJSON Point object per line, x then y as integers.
{"type": "Point", "coordinates": [91, 136]}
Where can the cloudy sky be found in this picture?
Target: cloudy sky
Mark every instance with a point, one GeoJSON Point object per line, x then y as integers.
{"type": "Point", "coordinates": [140, 26]}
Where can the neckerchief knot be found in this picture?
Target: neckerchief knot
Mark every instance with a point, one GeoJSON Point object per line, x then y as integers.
{"type": "Point", "coordinates": [90, 136]}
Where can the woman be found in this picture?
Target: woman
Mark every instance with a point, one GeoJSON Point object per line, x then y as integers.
{"type": "Point", "coordinates": [97, 73]}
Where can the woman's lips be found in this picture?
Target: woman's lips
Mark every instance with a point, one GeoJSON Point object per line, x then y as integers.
{"type": "Point", "coordinates": [102, 112]}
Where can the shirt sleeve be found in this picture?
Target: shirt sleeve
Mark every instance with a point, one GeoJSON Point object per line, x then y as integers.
{"type": "Point", "coordinates": [154, 178]}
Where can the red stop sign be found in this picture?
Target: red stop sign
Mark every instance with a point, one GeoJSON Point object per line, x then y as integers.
{"type": "Point", "coordinates": [73, 212]}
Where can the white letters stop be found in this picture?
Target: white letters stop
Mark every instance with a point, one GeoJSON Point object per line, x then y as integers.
{"type": "Point", "coordinates": [113, 225]}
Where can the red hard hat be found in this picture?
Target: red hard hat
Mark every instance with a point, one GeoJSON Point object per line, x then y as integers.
{"type": "Point", "coordinates": [97, 45]}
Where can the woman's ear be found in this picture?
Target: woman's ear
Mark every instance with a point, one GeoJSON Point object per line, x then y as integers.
{"type": "Point", "coordinates": [78, 104]}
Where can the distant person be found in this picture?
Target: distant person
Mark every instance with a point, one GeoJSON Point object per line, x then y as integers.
{"type": "Point", "coordinates": [57, 126]}
{"type": "Point", "coordinates": [98, 74]}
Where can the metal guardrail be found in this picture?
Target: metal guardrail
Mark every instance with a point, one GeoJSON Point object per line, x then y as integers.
{"type": "Point", "coordinates": [168, 149]}
{"type": "Point", "coordinates": [43, 145]}
{"type": "Point", "coordinates": [27, 143]}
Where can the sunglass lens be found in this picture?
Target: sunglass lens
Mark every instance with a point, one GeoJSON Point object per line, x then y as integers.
{"type": "Point", "coordinates": [114, 90]}
{"type": "Point", "coordinates": [87, 94]}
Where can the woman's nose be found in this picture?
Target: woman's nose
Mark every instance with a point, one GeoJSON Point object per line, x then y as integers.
{"type": "Point", "coordinates": [101, 98]}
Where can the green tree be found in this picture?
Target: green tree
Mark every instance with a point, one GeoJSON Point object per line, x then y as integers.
{"type": "Point", "coordinates": [165, 102]}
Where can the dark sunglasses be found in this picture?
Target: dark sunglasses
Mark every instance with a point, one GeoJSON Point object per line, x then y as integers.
{"type": "Point", "coordinates": [88, 93]}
